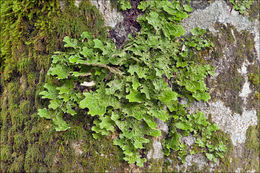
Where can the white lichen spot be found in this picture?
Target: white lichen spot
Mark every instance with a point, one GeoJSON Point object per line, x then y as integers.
{"type": "Point", "coordinates": [88, 84]}
{"type": "Point", "coordinates": [156, 151]}
{"type": "Point", "coordinates": [197, 159]}
{"type": "Point", "coordinates": [189, 140]}
{"type": "Point", "coordinates": [232, 123]}
{"type": "Point", "coordinates": [238, 170]}
{"type": "Point", "coordinates": [61, 4]}
{"type": "Point", "coordinates": [161, 125]}
{"type": "Point", "coordinates": [76, 145]}
{"type": "Point", "coordinates": [243, 69]}
{"type": "Point", "coordinates": [246, 87]}
{"type": "Point", "coordinates": [77, 2]}
{"type": "Point", "coordinates": [245, 91]}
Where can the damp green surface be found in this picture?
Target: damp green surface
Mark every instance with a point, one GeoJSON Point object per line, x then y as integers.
{"type": "Point", "coordinates": [28, 142]}
{"type": "Point", "coordinates": [31, 144]}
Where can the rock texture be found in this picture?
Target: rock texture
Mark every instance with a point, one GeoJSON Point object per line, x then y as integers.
{"type": "Point", "coordinates": [26, 146]}
{"type": "Point", "coordinates": [220, 12]}
{"type": "Point", "coordinates": [230, 107]}
{"type": "Point", "coordinates": [110, 15]}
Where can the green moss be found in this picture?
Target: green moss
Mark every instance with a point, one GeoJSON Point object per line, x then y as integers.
{"type": "Point", "coordinates": [17, 165]}
{"type": "Point", "coordinates": [13, 95]}
{"type": "Point", "coordinates": [252, 146]}
{"type": "Point", "coordinates": [88, 19]}
{"type": "Point", "coordinates": [254, 11]}
{"type": "Point", "coordinates": [226, 162]}
{"type": "Point", "coordinates": [29, 143]}
{"type": "Point", "coordinates": [252, 141]}
{"type": "Point", "coordinates": [156, 165]}
{"type": "Point", "coordinates": [5, 153]}
{"type": "Point", "coordinates": [253, 77]}
{"type": "Point", "coordinates": [19, 142]}
{"type": "Point", "coordinates": [231, 82]}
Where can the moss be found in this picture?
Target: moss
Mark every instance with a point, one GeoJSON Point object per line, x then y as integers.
{"type": "Point", "coordinates": [235, 48]}
{"type": "Point", "coordinates": [252, 149]}
{"type": "Point", "coordinates": [155, 165]}
{"type": "Point", "coordinates": [254, 72]}
{"type": "Point", "coordinates": [19, 142]}
{"type": "Point", "coordinates": [88, 19]}
{"type": "Point", "coordinates": [226, 162]}
{"type": "Point", "coordinates": [13, 96]}
{"type": "Point", "coordinates": [6, 153]}
{"type": "Point", "coordinates": [254, 11]}
{"type": "Point", "coordinates": [231, 83]}
{"type": "Point", "coordinates": [252, 141]}
{"type": "Point", "coordinates": [17, 165]}
{"type": "Point", "coordinates": [253, 77]}
{"type": "Point", "coordinates": [30, 143]}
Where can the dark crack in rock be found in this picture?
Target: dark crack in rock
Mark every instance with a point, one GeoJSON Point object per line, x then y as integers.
{"type": "Point", "coordinates": [129, 25]}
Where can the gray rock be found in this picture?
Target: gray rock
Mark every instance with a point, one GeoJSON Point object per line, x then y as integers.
{"type": "Point", "coordinates": [110, 15]}
{"type": "Point", "coordinates": [219, 11]}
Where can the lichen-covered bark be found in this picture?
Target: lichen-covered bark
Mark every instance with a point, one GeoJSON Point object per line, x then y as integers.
{"type": "Point", "coordinates": [29, 143]}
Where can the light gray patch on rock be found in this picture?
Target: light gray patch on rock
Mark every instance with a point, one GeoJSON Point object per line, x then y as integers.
{"type": "Point", "coordinates": [111, 16]}
{"type": "Point", "coordinates": [161, 125]}
{"type": "Point", "coordinates": [156, 152]}
{"type": "Point", "coordinates": [234, 124]}
{"type": "Point", "coordinates": [61, 4]}
{"type": "Point", "coordinates": [246, 87]}
{"type": "Point", "coordinates": [220, 12]}
{"type": "Point", "coordinates": [197, 159]}
{"type": "Point", "coordinates": [189, 140]}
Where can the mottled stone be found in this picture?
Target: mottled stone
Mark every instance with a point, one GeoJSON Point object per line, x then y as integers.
{"type": "Point", "coordinates": [111, 16]}
{"type": "Point", "coordinates": [219, 11]}
{"type": "Point", "coordinates": [156, 151]}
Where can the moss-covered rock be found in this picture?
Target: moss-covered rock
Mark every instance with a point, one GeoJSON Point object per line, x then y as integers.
{"type": "Point", "coordinates": [29, 143]}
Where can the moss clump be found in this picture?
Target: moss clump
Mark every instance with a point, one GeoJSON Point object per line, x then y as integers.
{"type": "Point", "coordinates": [254, 11]}
{"type": "Point", "coordinates": [231, 83]}
{"type": "Point", "coordinates": [253, 77]}
{"type": "Point", "coordinates": [226, 162]}
{"type": "Point", "coordinates": [155, 165]}
{"type": "Point", "coordinates": [252, 149]}
{"type": "Point", "coordinates": [6, 153]}
{"type": "Point", "coordinates": [29, 143]}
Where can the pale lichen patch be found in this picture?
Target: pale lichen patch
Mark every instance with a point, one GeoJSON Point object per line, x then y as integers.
{"type": "Point", "coordinates": [245, 92]}
{"type": "Point", "coordinates": [156, 151]}
{"type": "Point", "coordinates": [110, 15]}
{"type": "Point", "coordinates": [232, 123]}
{"type": "Point", "coordinates": [190, 160]}
{"type": "Point", "coordinates": [220, 12]}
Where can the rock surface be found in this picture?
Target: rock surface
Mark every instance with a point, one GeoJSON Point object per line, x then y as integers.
{"type": "Point", "coordinates": [232, 118]}
{"type": "Point", "coordinates": [231, 121]}
{"type": "Point", "coordinates": [31, 144]}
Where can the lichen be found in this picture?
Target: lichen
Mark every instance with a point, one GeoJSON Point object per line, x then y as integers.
{"type": "Point", "coordinates": [30, 144]}
{"type": "Point", "coordinates": [232, 49]}
{"type": "Point", "coordinates": [252, 145]}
